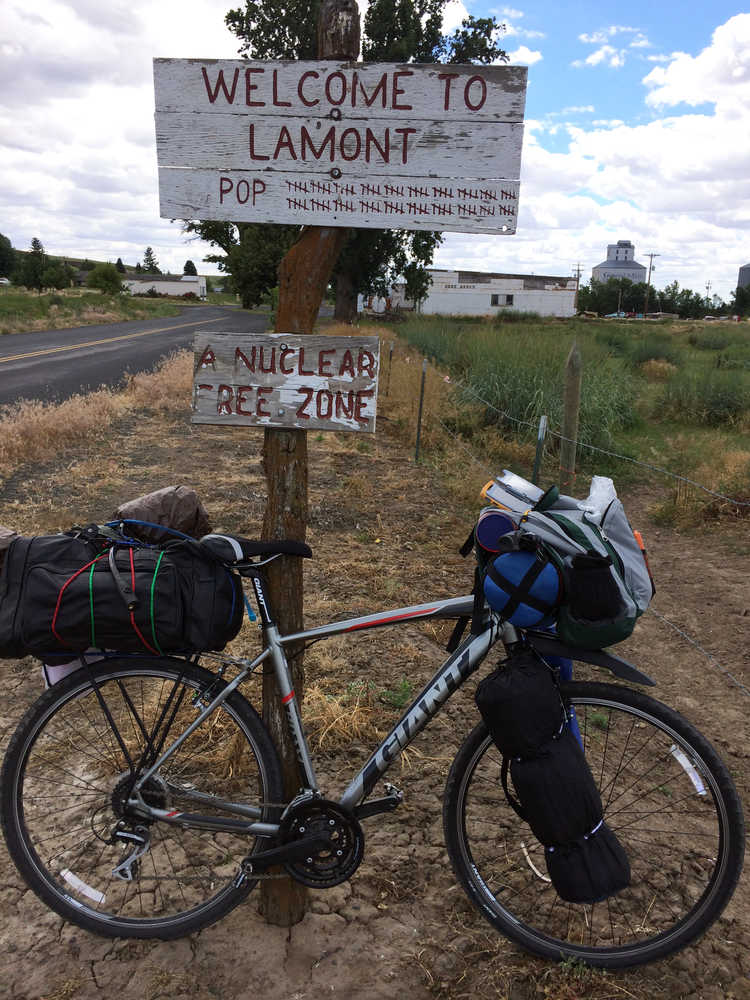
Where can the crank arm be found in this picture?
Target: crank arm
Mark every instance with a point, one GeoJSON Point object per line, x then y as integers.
{"type": "Point", "coordinates": [296, 850]}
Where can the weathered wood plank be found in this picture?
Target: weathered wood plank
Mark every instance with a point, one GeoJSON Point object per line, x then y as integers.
{"type": "Point", "coordinates": [406, 203]}
{"type": "Point", "coordinates": [373, 91]}
{"type": "Point", "coordinates": [355, 148]}
{"type": "Point", "coordinates": [285, 380]}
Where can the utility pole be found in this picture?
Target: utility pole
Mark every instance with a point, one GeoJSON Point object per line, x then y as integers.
{"type": "Point", "coordinates": [648, 279]}
{"type": "Point", "coordinates": [577, 272]}
{"type": "Point", "coordinates": [708, 294]}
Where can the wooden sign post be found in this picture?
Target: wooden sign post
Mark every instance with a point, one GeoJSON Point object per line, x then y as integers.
{"type": "Point", "coordinates": [303, 278]}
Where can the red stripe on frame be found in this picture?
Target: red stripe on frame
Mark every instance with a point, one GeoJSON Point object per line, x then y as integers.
{"type": "Point", "coordinates": [390, 618]}
{"type": "Point", "coordinates": [285, 701]}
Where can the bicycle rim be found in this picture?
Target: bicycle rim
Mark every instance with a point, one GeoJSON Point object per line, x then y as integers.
{"type": "Point", "coordinates": [665, 794]}
{"type": "Point", "coordinates": [65, 781]}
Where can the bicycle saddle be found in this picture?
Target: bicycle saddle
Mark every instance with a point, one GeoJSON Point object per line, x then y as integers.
{"type": "Point", "coordinates": [232, 549]}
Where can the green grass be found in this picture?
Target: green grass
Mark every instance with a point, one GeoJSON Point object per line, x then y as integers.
{"type": "Point", "coordinates": [671, 396]}
{"type": "Point", "coordinates": [22, 311]}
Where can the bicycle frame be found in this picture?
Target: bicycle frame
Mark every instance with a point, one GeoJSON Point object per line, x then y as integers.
{"type": "Point", "coordinates": [445, 682]}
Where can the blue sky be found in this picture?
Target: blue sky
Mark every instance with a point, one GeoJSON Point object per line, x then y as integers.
{"type": "Point", "coordinates": [638, 127]}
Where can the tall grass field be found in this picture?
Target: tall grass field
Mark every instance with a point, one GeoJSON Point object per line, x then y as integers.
{"type": "Point", "coordinates": [674, 395]}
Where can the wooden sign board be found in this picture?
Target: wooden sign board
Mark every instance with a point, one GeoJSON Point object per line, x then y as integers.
{"type": "Point", "coordinates": [286, 380]}
{"type": "Point", "coordinates": [410, 146]}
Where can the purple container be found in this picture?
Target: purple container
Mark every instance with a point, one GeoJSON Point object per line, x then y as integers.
{"type": "Point", "coordinates": [491, 526]}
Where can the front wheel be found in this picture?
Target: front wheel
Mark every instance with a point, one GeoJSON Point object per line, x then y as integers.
{"type": "Point", "coordinates": [66, 779]}
{"type": "Point", "coordinates": [667, 796]}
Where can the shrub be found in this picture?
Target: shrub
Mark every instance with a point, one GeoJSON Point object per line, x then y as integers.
{"type": "Point", "coordinates": [655, 349]}
{"type": "Point", "coordinates": [106, 278]}
{"type": "Point", "coordinates": [712, 397]}
{"type": "Point", "coordinates": [515, 316]}
{"type": "Point", "coordinates": [711, 340]}
{"type": "Point", "coordinates": [189, 295]}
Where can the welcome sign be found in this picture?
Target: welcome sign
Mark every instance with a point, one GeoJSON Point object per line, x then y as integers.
{"type": "Point", "coordinates": [410, 146]}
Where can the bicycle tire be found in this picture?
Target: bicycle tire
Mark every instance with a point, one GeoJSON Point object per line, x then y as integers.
{"type": "Point", "coordinates": [63, 785]}
{"type": "Point", "coordinates": [662, 786]}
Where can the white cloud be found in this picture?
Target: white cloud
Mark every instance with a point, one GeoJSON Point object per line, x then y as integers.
{"type": "Point", "coordinates": [525, 56]}
{"type": "Point", "coordinates": [720, 74]}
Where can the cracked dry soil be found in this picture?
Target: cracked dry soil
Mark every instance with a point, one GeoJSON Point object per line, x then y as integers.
{"type": "Point", "coordinates": [384, 533]}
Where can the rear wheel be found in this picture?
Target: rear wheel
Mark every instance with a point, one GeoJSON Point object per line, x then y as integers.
{"type": "Point", "coordinates": [667, 796]}
{"type": "Point", "coordinates": [67, 777]}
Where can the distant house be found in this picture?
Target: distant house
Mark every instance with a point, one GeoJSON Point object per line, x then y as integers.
{"type": "Point", "coordinates": [166, 284]}
{"type": "Point", "coordinates": [478, 293]}
{"type": "Point", "coordinates": [620, 263]}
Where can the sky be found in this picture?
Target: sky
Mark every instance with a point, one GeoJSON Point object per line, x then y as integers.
{"type": "Point", "coordinates": [637, 128]}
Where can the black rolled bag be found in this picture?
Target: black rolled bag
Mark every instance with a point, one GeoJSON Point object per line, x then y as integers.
{"type": "Point", "coordinates": [73, 592]}
{"type": "Point", "coordinates": [555, 792]}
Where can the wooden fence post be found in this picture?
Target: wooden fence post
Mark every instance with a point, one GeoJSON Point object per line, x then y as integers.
{"type": "Point", "coordinates": [571, 406]}
{"type": "Point", "coordinates": [303, 277]}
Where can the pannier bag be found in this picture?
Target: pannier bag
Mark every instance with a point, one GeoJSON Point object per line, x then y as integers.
{"type": "Point", "coordinates": [554, 790]}
{"type": "Point", "coordinates": [84, 590]}
{"type": "Point", "coordinates": [606, 583]}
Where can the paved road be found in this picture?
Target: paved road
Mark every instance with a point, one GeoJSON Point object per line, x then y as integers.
{"type": "Point", "coordinates": [55, 364]}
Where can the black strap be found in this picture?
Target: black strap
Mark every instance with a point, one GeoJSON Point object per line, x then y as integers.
{"type": "Point", "coordinates": [458, 630]}
{"type": "Point", "coordinates": [468, 545]}
{"type": "Point", "coordinates": [519, 592]}
{"type": "Point", "coordinates": [512, 800]}
{"type": "Point", "coordinates": [477, 611]}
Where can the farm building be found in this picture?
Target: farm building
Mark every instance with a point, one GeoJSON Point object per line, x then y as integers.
{"type": "Point", "coordinates": [166, 284]}
{"type": "Point", "coordinates": [478, 293]}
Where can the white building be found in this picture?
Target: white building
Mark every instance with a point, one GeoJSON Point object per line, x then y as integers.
{"type": "Point", "coordinates": [620, 263]}
{"type": "Point", "coordinates": [477, 293]}
{"type": "Point", "coordinates": [166, 284]}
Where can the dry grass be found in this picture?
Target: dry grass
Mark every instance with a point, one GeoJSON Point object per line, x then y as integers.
{"type": "Point", "coordinates": [340, 720]}
{"type": "Point", "coordinates": [35, 431]}
{"type": "Point", "coordinates": [657, 370]}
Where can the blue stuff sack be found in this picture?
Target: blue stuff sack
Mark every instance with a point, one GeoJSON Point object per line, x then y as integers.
{"type": "Point", "coordinates": [524, 587]}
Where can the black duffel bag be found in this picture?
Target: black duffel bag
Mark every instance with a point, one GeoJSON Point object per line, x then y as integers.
{"type": "Point", "coordinates": [72, 592]}
{"type": "Point", "coordinates": [555, 792]}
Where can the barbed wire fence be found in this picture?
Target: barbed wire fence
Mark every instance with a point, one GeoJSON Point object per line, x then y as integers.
{"type": "Point", "coordinates": [529, 426]}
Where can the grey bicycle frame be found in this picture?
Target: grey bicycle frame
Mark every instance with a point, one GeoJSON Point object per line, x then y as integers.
{"type": "Point", "coordinates": [447, 679]}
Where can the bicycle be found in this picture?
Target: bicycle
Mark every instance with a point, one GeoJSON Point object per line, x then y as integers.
{"type": "Point", "coordinates": [142, 795]}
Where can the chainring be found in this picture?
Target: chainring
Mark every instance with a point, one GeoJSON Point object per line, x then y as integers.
{"type": "Point", "coordinates": [334, 864]}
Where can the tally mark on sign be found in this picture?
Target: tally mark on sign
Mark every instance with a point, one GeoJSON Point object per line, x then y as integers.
{"type": "Point", "coordinates": [286, 380]}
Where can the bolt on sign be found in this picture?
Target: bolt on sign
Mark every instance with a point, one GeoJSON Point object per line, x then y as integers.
{"type": "Point", "coordinates": [434, 147]}
{"type": "Point", "coordinates": [286, 380]}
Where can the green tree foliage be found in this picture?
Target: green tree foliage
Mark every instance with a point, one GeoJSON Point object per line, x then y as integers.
{"type": "Point", "coordinates": [150, 263]}
{"type": "Point", "coordinates": [57, 274]}
{"type": "Point", "coordinates": [189, 268]}
{"type": "Point", "coordinates": [394, 31]}
{"type": "Point", "coordinates": [120, 266]}
{"type": "Point", "coordinates": [251, 254]}
{"type": "Point", "coordinates": [604, 297]}
{"type": "Point", "coordinates": [106, 278]}
{"type": "Point", "coordinates": [7, 257]}
{"type": "Point", "coordinates": [32, 265]}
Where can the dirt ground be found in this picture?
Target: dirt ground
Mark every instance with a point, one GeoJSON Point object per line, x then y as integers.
{"type": "Point", "coordinates": [385, 533]}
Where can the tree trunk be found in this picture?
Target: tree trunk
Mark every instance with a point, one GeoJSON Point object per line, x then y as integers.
{"type": "Point", "coordinates": [304, 274]}
{"type": "Point", "coordinates": [345, 309]}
